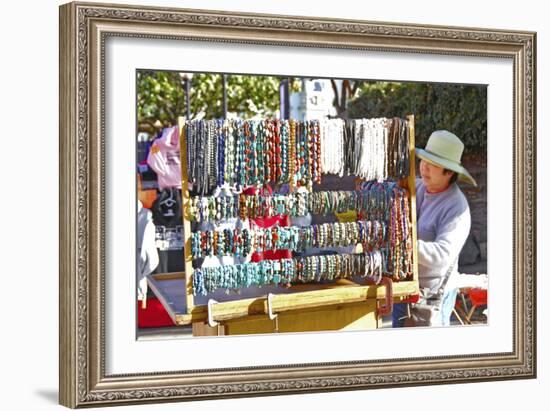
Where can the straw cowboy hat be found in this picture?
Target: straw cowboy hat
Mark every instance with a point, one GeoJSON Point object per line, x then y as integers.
{"type": "Point", "coordinates": [444, 149]}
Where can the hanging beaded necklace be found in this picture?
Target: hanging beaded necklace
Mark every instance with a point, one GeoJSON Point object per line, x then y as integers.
{"type": "Point", "coordinates": [262, 175]}
{"type": "Point", "coordinates": [220, 157]}
{"type": "Point", "coordinates": [292, 155]}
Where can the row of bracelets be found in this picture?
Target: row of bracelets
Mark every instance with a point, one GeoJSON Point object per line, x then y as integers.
{"type": "Point", "coordinates": [242, 242]}
{"type": "Point", "coordinates": [291, 270]}
{"type": "Point", "coordinates": [375, 200]}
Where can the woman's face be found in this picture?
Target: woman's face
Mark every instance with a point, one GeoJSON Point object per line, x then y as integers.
{"type": "Point", "coordinates": [434, 177]}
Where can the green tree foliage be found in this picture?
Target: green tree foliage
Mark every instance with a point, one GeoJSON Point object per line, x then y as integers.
{"type": "Point", "coordinates": [161, 97]}
{"type": "Point", "coordinates": [251, 96]}
{"type": "Point", "coordinates": [461, 109]}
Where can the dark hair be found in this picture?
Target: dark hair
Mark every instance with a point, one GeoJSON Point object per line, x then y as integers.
{"type": "Point", "coordinates": [454, 176]}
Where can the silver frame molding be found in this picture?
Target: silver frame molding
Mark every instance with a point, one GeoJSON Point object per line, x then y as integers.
{"type": "Point", "coordinates": [84, 27]}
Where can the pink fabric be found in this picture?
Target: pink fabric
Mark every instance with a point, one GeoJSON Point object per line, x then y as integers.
{"type": "Point", "coordinates": [268, 222]}
{"type": "Point", "coordinates": [164, 158]}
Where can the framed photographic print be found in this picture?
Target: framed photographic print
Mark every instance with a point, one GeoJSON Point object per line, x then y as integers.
{"type": "Point", "coordinates": [263, 204]}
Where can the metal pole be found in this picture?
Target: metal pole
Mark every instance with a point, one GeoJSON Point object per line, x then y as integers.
{"type": "Point", "coordinates": [224, 84]}
{"type": "Point", "coordinates": [284, 99]}
{"type": "Point", "coordinates": [187, 104]}
{"type": "Point", "coordinates": [287, 97]}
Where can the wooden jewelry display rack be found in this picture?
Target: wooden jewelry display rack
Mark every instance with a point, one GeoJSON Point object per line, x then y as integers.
{"type": "Point", "coordinates": [342, 304]}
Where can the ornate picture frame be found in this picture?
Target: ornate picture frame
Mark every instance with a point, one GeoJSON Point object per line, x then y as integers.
{"type": "Point", "coordinates": [84, 30]}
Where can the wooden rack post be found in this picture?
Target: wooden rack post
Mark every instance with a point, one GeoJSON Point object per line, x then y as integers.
{"type": "Point", "coordinates": [186, 202]}
{"type": "Point", "coordinates": [412, 193]}
{"type": "Point", "coordinates": [410, 185]}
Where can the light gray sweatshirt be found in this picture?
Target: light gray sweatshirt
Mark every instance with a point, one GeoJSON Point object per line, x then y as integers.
{"type": "Point", "coordinates": [148, 258]}
{"type": "Point", "coordinates": [443, 224]}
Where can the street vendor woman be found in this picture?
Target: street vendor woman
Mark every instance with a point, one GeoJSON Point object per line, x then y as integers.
{"type": "Point", "coordinates": [443, 225]}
